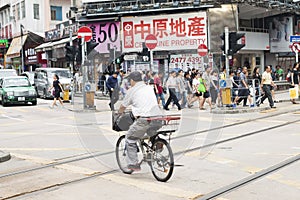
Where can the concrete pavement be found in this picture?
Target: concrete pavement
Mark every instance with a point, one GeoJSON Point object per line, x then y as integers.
{"type": "Point", "coordinates": [280, 96]}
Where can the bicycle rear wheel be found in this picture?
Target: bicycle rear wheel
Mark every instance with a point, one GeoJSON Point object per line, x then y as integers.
{"type": "Point", "coordinates": [121, 155]}
{"type": "Point", "coordinates": [162, 164]}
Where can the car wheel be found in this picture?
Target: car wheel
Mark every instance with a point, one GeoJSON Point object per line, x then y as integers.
{"type": "Point", "coordinates": [3, 102]}
{"type": "Point", "coordinates": [34, 103]}
{"type": "Point", "coordinates": [44, 94]}
{"type": "Point", "coordinates": [37, 93]}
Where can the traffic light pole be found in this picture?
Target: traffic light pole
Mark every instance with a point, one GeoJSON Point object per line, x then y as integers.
{"type": "Point", "coordinates": [72, 72]}
{"type": "Point", "coordinates": [84, 71]}
{"type": "Point", "coordinates": [151, 59]}
{"type": "Point", "coordinates": [114, 59]}
{"type": "Point", "coordinates": [226, 31]}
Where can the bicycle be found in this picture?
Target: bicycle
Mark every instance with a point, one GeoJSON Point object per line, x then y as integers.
{"type": "Point", "coordinates": [156, 150]}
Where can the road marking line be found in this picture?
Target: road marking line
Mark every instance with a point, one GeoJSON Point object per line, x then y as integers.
{"type": "Point", "coordinates": [43, 149]}
{"type": "Point", "coordinates": [268, 111]}
{"type": "Point", "coordinates": [68, 167]}
{"type": "Point", "coordinates": [281, 179]}
{"type": "Point", "coordinates": [34, 159]}
{"type": "Point", "coordinates": [149, 186]}
{"type": "Point", "coordinates": [21, 110]}
{"type": "Point", "coordinates": [37, 133]}
{"type": "Point", "coordinates": [152, 186]}
{"type": "Point", "coordinates": [13, 118]}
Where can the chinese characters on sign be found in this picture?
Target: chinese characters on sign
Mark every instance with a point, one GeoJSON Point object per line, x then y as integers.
{"type": "Point", "coordinates": [107, 34]}
{"type": "Point", "coordinates": [182, 31]}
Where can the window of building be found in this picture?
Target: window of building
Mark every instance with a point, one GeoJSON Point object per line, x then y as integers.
{"type": "Point", "coordinates": [14, 11]}
{"type": "Point", "coordinates": [18, 11]}
{"type": "Point", "coordinates": [56, 13]}
{"type": "Point", "coordinates": [36, 11]}
{"type": "Point", "coordinates": [23, 9]}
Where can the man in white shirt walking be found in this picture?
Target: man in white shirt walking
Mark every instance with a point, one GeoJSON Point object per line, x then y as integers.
{"type": "Point", "coordinates": [266, 83]}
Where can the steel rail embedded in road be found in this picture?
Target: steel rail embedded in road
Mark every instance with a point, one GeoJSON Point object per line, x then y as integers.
{"type": "Point", "coordinates": [237, 137]}
{"type": "Point", "coordinates": [53, 164]}
{"type": "Point", "coordinates": [234, 124]}
{"type": "Point", "coordinates": [180, 152]}
{"type": "Point", "coordinates": [250, 178]}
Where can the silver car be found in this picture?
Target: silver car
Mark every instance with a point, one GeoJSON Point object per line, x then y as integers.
{"type": "Point", "coordinates": [43, 79]}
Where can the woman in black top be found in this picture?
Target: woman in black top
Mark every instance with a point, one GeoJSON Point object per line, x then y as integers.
{"type": "Point", "coordinates": [57, 90]}
{"type": "Point", "coordinates": [295, 79]}
{"type": "Point", "coordinates": [257, 80]}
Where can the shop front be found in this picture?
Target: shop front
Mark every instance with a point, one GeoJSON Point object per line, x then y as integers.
{"type": "Point", "coordinates": [13, 54]}
{"type": "Point", "coordinates": [25, 43]}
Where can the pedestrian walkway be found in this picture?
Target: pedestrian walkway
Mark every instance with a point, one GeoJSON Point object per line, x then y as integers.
{"type": "Point", "coordinates": [101, 102]}
{"type": "Point", "coordinates": [280, 96]}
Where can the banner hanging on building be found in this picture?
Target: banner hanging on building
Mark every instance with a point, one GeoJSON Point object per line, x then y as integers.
{"type": "Point", "coordinates": [280, 30]}
{"type": "Point", "coordinates": [107, 34]}
{"type": "Point", "coordinates": [173, 32]}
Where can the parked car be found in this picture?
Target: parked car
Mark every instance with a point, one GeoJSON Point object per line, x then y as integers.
{"type": "Point", "coordinates": [30, 76]}
{"type": "Point", "coordinates": [43, 79]}
{"type": "Point", "coordinates": [7, 73]}
{"type": "Point", "coordinates": [16, 89]}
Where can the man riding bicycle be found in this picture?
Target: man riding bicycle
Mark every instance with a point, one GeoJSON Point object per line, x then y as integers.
{"type": "Point", "coordinates": [143, 103]}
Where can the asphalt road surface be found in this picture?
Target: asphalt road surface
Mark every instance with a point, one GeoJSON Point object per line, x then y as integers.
{"type": "Point", "coordinates": [67, 153]}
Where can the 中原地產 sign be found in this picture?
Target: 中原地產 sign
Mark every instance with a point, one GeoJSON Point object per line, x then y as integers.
{"type": "Point", "coordinates": [173, 32]}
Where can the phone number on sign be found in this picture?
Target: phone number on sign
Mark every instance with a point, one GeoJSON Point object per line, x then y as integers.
{"type": "Point", "coordinates": [185, 60]}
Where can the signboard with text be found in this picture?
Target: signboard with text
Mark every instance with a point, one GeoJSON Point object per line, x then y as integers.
{"type": "Point", "coordinates": [107, 34]}
{"type": "Point", "coordinates": [173, 32]}
{"type": "Point", "coordinates": [184, 61]}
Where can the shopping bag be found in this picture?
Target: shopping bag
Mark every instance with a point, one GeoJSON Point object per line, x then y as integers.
{"type": "Point", "coordinates": [293, 93]}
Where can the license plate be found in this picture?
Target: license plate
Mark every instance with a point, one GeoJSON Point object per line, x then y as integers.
{"type": "Point", "coordinates": [21, 98]}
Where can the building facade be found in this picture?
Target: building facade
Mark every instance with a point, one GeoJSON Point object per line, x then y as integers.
{"type": "Point", "coordinates": [29, 19]}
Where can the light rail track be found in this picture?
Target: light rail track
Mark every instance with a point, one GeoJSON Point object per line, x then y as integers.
{"type": "Point", "coordinates": [229, 188]}
{"type": "Point", "coordinates": [71, 159]}
{"type": "Point", "coordinates": [80, 158]}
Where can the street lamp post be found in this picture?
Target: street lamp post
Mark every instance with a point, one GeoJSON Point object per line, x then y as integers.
{"type": "Point", "coordinates": [21, 69]}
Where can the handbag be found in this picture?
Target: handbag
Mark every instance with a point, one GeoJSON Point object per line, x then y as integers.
{"type": "Point", "coordinates": [201, 87]}
{"type": "Point", "coordinates": [293, 93]}
{"type": "Point", "coordinates": [122, 122]}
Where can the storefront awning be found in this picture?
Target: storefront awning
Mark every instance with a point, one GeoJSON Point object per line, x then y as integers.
{"type": "Point", "coordinates": [16, 46]}
{"type": "Point", "coordinates": [44, 47]}
{"type": "Point", "coordinates": [62, 43]}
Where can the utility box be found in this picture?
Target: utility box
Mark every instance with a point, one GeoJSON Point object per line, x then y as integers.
{"type": "Point", "coordinates": [226, 96]}
{"type": "Point", "coordinates": [225, 87]}
{"type": "Point", "coordinates": [66, 95]}
{"type": "Point", "coordinates": [90, 99]}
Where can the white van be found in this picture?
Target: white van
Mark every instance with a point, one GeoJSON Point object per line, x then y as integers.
{"type": "Point", "coordinates": [7, 73]}
{"type": "Point", "coordinates": [43, 79]}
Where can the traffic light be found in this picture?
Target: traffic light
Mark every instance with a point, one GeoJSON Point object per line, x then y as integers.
{"type": "Point", "coordinates": [70, 52]}
{"type": "Point", "coordinates": [145, 52]}
{"type": "Point", "coordinates": [78, 50]}
{"type": "Point", "coordinates": [119, 59]}
{"type": "Point", "coordinates": [90, 46]}
{"type": "Point", "coordinates": [233, 42]}
{"type": "Point", "coordinates": [223, 46]}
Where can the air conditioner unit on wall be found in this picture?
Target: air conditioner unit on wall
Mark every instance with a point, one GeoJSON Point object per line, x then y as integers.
{"type": "Point", "coordinates": [70, 14]}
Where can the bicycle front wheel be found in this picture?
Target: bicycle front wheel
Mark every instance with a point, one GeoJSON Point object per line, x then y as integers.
{"type": "Point", "coordinates": [121, 153]}
{"type": "Point", "coordinates": [162, 164]}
